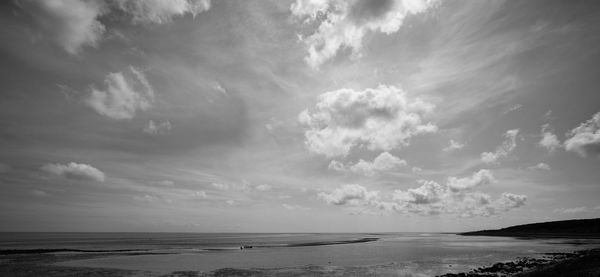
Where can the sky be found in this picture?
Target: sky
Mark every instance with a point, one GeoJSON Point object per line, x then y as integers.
{"type": "Point", "coordinates": [297, 116]}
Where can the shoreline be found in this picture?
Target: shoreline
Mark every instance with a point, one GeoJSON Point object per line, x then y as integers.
{"type": "Point", "coordinates": [578, 263]}
{"type": "Point", "coordinates": [525, 235]}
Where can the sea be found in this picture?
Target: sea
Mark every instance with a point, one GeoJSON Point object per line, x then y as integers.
{"type": "Point", "coordinates": [403, 254]}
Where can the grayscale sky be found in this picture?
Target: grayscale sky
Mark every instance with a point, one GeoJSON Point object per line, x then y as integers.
{"type": "Point", "coordinates": [297, 116]}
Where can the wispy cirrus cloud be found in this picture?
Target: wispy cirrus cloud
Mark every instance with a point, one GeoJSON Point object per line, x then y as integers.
{"type": "Point", "coordinates": [161, 11]}
{"type": "Point", "coordinates": [75, 24]}
{"type": "Point", "coordinates": [383, 162]}
{"type": "Point", "coordinates": [125, 94]}
{"type": "Point", "coordinates": [453, 145]}
{"type": "Point", "coordinates": [72, 24]}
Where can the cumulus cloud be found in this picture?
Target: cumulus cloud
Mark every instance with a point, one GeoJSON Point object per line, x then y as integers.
{"type": "Point", "coordinates": [126, 93]}
{"type": "Point", "coordinates": [161, 11]}
{"type": "Point", "coordinates": [349, 194]}
{"type": "Point", "coordinates": [456, 196]}
{"type": "Point", "coordinates": [343, 24]}
{"type": "Point", "coordinates": [479, 178]}
{"type": "Point", "coordinates": [384, 162]}
{"type": "Point", "coordinates": [549, 139]}
{"type": "Point", "coordinates": [72, 24]}
{"type": "Point", "coordinates": [428, 193]}
{"type": "Point", "coordinates": [383, 118]}
{"type": "Point", "coordinates": [540, 166]}
{"type": "Point", "coordinates": [75, 171]}
{"type": "Point", "coordinates": [158, 128]}
{"type": "Point", "coordinates": [503, 150]}
{"type": "Point", "coordinates": [454, 145]}
{"type": "Point", "coordinates": [585, 139]}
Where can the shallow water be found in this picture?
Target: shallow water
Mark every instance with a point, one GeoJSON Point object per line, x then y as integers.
{"type": "Point", "coordinates": [407, 253]}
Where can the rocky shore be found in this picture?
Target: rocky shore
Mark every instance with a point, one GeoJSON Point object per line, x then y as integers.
{"type": "Point", "coordinates": [579, 263]}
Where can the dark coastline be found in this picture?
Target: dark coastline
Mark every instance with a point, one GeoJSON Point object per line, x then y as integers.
{"type": "Point", "coordinates": [577, 228]}
{"type": "Point", "coordinates": [579, 263]}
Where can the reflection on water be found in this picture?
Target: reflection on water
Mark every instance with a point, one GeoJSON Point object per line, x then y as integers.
{"type": "Point", "coordinates": [410, 253]}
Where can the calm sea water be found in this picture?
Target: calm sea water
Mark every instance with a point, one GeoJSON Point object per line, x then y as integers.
{"type": "Point", "coordinates": [409, 254]}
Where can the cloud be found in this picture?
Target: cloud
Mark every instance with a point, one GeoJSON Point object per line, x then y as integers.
{"type": "Point", "coordinates": [220, 186]}
{"type": "Point", "coordinates": [454, 145]}
{"type": "Point", "coordinates": [72, 24]}
{"type": "Point", "coordinates": [126, 93]}
{"type": "Point", "coordinates": [416, 169]}
{"type": "Point", "coordinates": [549, 139]}
{"type": "Point", "coordinates": [585, 139]}
{"type": "Point", "coordinates": [572, 210]}
{"type": "Point", "coordinates": [166, 183]}
{"type": "Point", "coordinates": [200, 194]}
{"type": "Point", "coordinates": [158, 128]}
{"type": "Point", "coordinates": [577, 210]}
{"type": "Point", "coordinates": [428, 193]}
{"type": "Point", "coordinates": [380, 119]}
{"type": "Point", "coordinates": [75, 171]}
{"type": "Point", "coordinates": [349, 194]}
{"type": "Point", "coordinates": [540, 166]}
{"type": "Point", "coordinates": [384, 162]}
{"type": "Point", "coordinates": [161, 11]}
{"type": "Point", "coordinates": [343, 24]}
{"type": "Point", "coordinates": [514, 108]}
{"type": "Point", "coordinates": [479, 178]}
{"type": "Point", "coordinates": [294, 207]}
{"type": "Point", "coordinates": [503, 150]}
{"type": "Point", "coordinates": [146, 198]}
{"type": "Point", "coordinates": [244, 186]}
{"type": "Point", "coordinates": [456, 197]}
{"type": "Point", "coordinates": [263, 187]}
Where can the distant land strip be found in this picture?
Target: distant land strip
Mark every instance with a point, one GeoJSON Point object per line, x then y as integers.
{"type": "Point", "coordinates": [576, 228]}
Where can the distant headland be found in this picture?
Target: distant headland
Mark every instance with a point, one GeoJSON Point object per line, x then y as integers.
{"type": "Point", "coordinates": [576, 228]}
